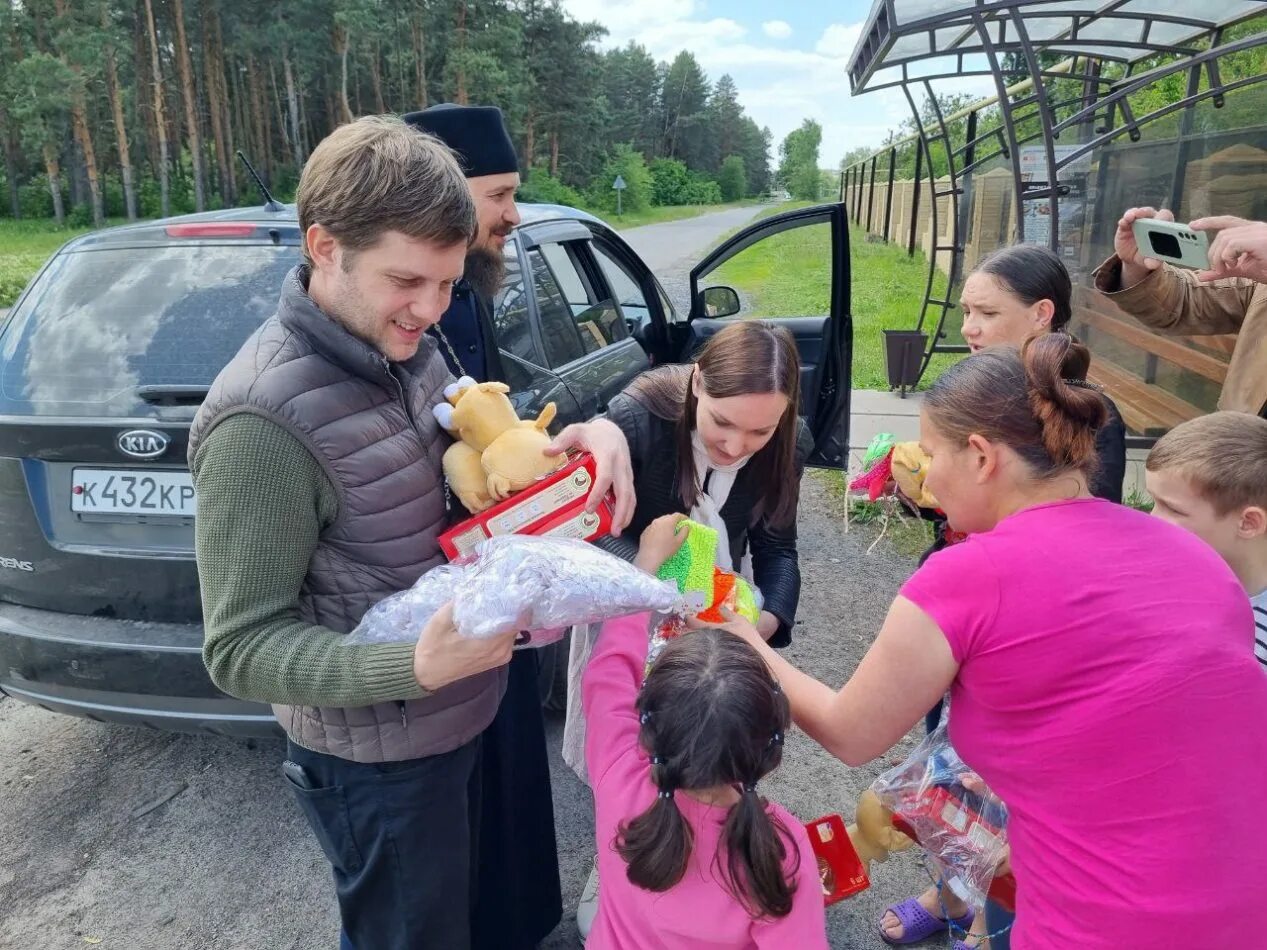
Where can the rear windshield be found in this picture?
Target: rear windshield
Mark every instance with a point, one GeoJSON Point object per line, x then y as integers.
{"type": "Point", "coordinates": [98, 324]}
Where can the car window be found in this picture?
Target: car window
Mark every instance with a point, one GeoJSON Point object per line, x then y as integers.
{"type": "Point", "coordinates": [629, 296]}
{"type": "Point", "coordinates": [99, 324]}
{"type": "Point", "coordinates": [594, 323]}
{"type": "Point", "coordinates": [558, 326]}
{"type": "Point", "coordinates": [510, 316]}
{"type": "Point", "coordinates": [572, 283]}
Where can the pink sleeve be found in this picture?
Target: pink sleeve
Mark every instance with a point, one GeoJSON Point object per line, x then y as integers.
{"type": "Point", "coordinates": [958, 588]}
{"type": "Point", "coordinates": [609, 689]}
{"type": "Point", "coordinates": [805, 927]}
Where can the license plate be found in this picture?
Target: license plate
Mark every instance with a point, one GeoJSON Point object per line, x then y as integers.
{"type": "Point", "coordinates": [123, 492]}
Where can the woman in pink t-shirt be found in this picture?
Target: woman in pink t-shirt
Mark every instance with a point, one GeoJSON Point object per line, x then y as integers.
{"type": "Point", "coordinates": [1100, 665]}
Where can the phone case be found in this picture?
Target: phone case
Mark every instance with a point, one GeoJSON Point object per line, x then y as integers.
{"type": "Point", "coordinates": [1172, 242]}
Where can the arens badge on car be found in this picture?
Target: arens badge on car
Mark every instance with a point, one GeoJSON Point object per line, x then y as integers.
{"type": "Point", "coordinates": [142, 443]}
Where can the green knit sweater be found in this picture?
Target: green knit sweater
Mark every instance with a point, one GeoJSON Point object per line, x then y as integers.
{"type": "Point", "coordinates": [263, 500]}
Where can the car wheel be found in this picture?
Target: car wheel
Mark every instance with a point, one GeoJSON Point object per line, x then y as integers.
{"type": "Point", "coordinates": [552, 675]}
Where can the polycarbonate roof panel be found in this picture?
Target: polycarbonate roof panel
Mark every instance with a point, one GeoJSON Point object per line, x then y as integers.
{"type": "Point", "coordinates": [901, 33]}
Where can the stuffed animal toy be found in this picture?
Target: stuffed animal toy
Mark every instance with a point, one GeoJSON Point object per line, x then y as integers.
{"type": "Point", "coordinates": [910, 467]}
{"type": "Point", "coordinates": [891, 465]}
{"type": "Point", "coordinates": [707, 587]}
{"type": "Point", "coordinates": [496, 453]}
{"type": "Point", "coordinates": [872, 833]}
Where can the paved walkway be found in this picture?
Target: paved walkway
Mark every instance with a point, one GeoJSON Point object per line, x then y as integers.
{"type": "Point", "coordinates": [875, 412]}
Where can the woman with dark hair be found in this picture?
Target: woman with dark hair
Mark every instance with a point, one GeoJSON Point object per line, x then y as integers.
{"type": "Point", "coordinates": [721, 439]}
{"type": "Point", "coordinates": [691, 854]}
{"type": "Point", "coordinates": [1097, 677]}
{"type": "Point", "coordinates": [1011, 295]}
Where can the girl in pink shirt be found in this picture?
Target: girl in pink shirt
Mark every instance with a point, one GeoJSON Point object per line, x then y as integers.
{"type": "Point", "coordinates": [1100, 665]}
{"type": "Point", "coordinates": [689, 854]}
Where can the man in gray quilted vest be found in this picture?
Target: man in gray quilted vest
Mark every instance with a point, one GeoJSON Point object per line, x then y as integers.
{"type": "Point", "coordinates": [317, 465]}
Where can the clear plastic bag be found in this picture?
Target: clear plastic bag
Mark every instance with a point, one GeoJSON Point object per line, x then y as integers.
{"type": "Point", "coordinates": [520, 583]}
{"type": "Point", "coordinates": [956, 819]}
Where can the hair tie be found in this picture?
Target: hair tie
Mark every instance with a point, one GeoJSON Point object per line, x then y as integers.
{"type": "Point", "coordinates": [775, 687]}
{"type": "Point", "coordinates": [666, 793]}
{"type": "Point", "coordinates": [776, 739]}
{"type": "Point", "coordinates": [1081, 383]}
{"type": "Point", "coordinates": [657, 760]}
{"type": "Point", "coordinates": [645, 717]}
{"type": "Point", "coordinates": [749, 788]}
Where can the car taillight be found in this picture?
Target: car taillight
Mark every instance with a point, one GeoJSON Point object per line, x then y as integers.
{"type": "Point", "coordinates": [209, 230]}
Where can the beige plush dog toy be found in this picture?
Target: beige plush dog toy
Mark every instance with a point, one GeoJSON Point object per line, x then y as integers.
{"type": "Point", "coordinates": [496, 453]}
{"type": "Point", "coordinates": [872, 832]}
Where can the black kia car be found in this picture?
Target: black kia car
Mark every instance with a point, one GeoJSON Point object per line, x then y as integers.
{"type": "Point", "coordinates": [107, 354]}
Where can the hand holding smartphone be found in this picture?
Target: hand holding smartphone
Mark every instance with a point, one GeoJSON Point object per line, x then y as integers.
{"type": "Point", "coordinates": [1172, 242]}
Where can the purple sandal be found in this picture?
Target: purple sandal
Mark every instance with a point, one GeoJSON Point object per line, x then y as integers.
{"type": "Point", "coordinates": [918, 924]}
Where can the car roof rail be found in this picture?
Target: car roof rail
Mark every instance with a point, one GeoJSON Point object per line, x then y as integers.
{"type": "Point", "coordinates": [270, 203]}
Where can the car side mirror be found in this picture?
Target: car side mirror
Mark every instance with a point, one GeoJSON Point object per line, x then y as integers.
{"type": "Point", "coordinates": [720, 302]}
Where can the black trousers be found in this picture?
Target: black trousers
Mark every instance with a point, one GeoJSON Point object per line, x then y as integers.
{"type": "Point", "coordinates": [401, 838]}
{"type": "Point", "coordinates": [519, 894]}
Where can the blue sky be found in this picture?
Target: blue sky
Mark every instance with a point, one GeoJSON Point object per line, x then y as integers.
{"type": "Point", "coordinates": [788, 59]}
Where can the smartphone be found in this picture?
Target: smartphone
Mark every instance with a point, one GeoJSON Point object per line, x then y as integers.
{"type": "Point", "coordinates": [1172, 242]}
{"type": "Point", "coordinates": [297, 774]}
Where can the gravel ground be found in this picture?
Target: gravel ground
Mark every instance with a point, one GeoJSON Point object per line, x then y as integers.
{"type": "Point", "coordinates": [228, 862]}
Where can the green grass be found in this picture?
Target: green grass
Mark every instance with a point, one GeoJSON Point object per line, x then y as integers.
{"type": "Point", "coordinates": [24, 247]}
{"type": "Point", "coordinates": [790, 275]}
{"type": "Point", "coordinates": [886, 521]}
{"type": "Point", "coordinates": [1138, 500]}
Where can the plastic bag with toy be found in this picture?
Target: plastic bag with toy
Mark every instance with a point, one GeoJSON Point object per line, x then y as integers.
{"type": "Point", "coordinates": [943, 804]}
{"type": "Point", "coordinates": [519, 583]}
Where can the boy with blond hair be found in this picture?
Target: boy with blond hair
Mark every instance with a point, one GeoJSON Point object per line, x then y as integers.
{"type": "Point", "coordinates": [1209, 475]}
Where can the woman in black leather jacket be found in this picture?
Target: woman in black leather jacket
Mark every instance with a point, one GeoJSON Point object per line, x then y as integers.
{"type": "Point", "coordinates": [721, 440]}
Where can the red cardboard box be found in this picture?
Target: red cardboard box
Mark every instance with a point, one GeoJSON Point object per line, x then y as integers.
{"type": "Point", "coordinates": [955, 815]}
{"type": "Point", "coordinates": [553, 507]}
{"type": "Point", "coordinates": [840, 870]}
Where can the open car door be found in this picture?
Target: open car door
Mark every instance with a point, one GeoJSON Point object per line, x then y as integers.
{"type": "Point", "coordinates": [792, 270]}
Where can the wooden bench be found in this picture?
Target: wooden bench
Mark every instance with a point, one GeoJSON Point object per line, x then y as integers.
{"type": "Point", "coordinates": [1146, 408]}
{"type": "Point", "coordinates": [1166, 348]}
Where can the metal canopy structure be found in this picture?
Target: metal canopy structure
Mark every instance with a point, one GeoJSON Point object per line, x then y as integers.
{"type": "Point", "coordinates": [1107, 52]}
{"type": "Point", "coordinates": [912, 40]}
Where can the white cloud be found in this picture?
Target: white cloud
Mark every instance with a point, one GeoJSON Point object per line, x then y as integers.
{"type": "Point", "coordinates": [779, 85]}
{"type": "Point", "coordinates": [667, 39]}
{"type": "Point", "coordinates": [838, 40]}
{"type": "Point", "coordinates": [625, 20]}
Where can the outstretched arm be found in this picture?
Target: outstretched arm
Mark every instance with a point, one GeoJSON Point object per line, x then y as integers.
{"type": "Point", "coordinates": [907, 669]}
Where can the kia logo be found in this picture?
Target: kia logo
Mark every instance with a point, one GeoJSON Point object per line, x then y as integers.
{"type": "Point", "coordinates": [142, 443]}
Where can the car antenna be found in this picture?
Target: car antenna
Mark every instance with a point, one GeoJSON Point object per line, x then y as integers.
{"type": "Point", "coordinates": [270, 203]}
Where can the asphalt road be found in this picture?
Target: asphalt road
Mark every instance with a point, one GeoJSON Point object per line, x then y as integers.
{"type": "Point", "coordinates": [680, 244]}
{"type": "Point", "coordinates": [115, 837]}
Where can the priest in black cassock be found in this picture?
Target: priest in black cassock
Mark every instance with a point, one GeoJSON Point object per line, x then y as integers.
{"type": "Point", "coordinates": [518, 900]}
